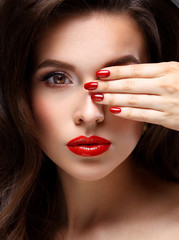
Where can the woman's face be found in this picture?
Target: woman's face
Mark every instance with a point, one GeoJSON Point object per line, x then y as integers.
{"type": "Point", "coordinates": [68, 55]}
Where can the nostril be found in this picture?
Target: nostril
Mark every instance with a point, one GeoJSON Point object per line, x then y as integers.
{"type": "Point", "coordinates": [100, 119]}
{"type": "Point", "coordinates": [88, 113]}
{"type": "Point", "coordinates": [79, 121]}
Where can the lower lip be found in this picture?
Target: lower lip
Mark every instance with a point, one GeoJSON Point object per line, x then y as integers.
{"type": "Point", "coordinates": [89, 150]}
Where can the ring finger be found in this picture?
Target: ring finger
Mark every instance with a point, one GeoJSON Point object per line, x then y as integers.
{"type": "Point", "coordinates": [130, 100]}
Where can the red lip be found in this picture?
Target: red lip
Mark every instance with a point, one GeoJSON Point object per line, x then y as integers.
{"type": "Point", "coordinates": [88, 147]}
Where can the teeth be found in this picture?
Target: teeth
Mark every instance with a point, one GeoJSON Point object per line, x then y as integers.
{"type": "Point", "coordinates": [89, 148]}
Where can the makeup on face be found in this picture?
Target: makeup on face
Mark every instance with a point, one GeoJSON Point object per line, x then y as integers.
{"type": "Point", "coordinates": [88, 147]}
{"type": "Point", "coordinates": [73, 129]}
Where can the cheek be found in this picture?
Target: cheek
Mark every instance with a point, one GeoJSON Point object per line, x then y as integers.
{"type": "Point", "coordinates": [128, 135]}
{"type": "Point", "coordinates": [132, 133]}
{"type": "Point", "coordinates": [127, 130]}
{"type": "Point", "coordinates": [52, 115]}
{"type": "Point", "coordinates": [51, 111]}
{"type": "Point", "coordinates": [129, 138]}
{"type": "Point", "coordinates": [51, 105]}
{"type": "Point", "coordinates": [45, 113]}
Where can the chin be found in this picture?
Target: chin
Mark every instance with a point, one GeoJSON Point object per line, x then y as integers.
{"type": "Point", "coordinates": [94, 172]}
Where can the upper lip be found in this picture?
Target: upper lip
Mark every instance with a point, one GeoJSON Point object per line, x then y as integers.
{"type": "Point", "coordinates": [93, 140]}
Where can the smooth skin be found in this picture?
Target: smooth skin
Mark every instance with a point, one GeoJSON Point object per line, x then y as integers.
{"type": "Point", "coordinates": [106, 196]}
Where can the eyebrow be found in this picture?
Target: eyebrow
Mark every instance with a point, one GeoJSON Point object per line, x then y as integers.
{"type": "Point", "coordinates": [60, 64]}
{"type": "Point", "coordinates": [122, 60]}
{"type": "Point", "coordinates": [55, 63]}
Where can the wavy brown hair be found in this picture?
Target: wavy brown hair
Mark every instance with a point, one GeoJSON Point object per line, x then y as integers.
{"type": "Point", "coordinates": [28, 179]}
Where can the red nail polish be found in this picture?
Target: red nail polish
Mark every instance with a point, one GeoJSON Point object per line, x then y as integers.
{"type": "Point", "coordinates": [97, 97]}
{"type": "Point", "coordinates": [91, 86]}
{"type": "Point", "coordinates": [115, 110]}
{"type": "Point", "coordinates": [103, 73]}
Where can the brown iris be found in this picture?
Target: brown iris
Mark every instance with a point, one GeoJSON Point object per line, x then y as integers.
{"type": "Point", "coordinates": [59, 79]}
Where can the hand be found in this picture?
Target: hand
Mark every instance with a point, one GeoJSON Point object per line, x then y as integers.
{"type": "Point", "coordinates": [141, 92]}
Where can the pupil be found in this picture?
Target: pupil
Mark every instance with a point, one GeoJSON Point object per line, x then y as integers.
{"type": "Point", "coordinates": [60, 79]}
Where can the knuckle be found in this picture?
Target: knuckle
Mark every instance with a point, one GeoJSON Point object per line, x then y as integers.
{"type": "Point", "coordinates": [173, 67]}
{"type": "Point", "coordinates": [129, 113]}
{"type": "Point", "coordinates": [170, 67]}
{"type": "Point", "coordinates": [111, 99]}
{"type": "Point", "coordinates": [175, 83]}
{"type": "Point", "coordinates": [133, 113]}
{"type": "Point", "coordinates": [169, 86]}
{"type": "Point", "coordinates": [135, 70]}
{"type": "Point", "coordinates": [118, 71]}
{"type": "Point", "coordinates": [146, 116]}
{"type": "Point", "coordinates": [169, 89]}
{"type": "Point", "coordinates": [128, 85]}
{"type": "Point", "coordinates": [105, 86]}
{"type": "Point", "coordinates": [132, 99]}
{"type": "Point", "coordinates": [170, 104]}
{"type": "Point", "coordinates": [167, 114]}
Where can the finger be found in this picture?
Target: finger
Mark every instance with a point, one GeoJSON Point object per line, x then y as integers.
{"type": "Point", "coordinates": [143, 86]}
{"type": "Point", "coordinates": [131, 100]}
{"type": "Point", "coordinates": [150, 70]}
{"type": "Point", "coordinates": [142, 115]}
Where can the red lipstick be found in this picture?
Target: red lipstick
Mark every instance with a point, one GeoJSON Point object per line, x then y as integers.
{"type": "Point", "coordinates": [88, 147]}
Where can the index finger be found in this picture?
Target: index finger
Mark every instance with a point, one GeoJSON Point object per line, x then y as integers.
{"type": "Point", "coordinates": [149, 70]}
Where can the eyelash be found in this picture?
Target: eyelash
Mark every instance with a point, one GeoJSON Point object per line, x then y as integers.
{"type": "Point", "coordinates": [47, 77]}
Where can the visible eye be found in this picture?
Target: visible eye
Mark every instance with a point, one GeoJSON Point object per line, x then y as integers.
{"type": "Point", "coordinates": [56, 78]}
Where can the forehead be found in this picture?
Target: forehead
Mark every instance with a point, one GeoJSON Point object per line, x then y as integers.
{"type": "Point", "coordinates": [98, 36]}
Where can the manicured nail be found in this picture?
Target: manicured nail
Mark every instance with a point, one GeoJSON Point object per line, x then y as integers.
{"type": "Point", "coordinates": [103, 73]}
{"type": "Point", "coordinates": [97, 97]}
{"type": "Point", "coordinates": [91, 85]}
{"type": "Point", "coordinates": [115, 110]}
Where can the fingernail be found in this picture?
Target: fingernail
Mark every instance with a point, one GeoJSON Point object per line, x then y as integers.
{"type": "Point", "coordinates": [91, 85]}
{"type": "Point", "coordinates": [115, 110]}
{"type": "Point", "coordinates": [103, 73]}
{"type": "Point", "coordinates": [97, 97]}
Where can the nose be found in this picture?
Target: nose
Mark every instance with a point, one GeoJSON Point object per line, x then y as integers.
{"type": "Point", "coordinates": [88, 112]}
